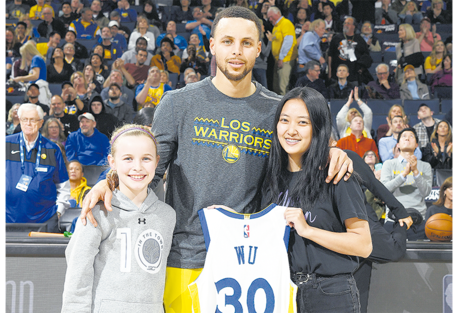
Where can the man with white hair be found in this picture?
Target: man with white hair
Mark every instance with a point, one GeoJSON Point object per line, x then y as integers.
{"type": "Point", "coordinates": [37, 186]}
{"type": "Point", "coordinates": [284, 49]}
{"type": "Point", "coordinates": [383, 87]}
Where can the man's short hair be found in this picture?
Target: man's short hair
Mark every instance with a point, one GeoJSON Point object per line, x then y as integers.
{"type": "Point", "coordinates": [327, 4]}
{"type": "Point", "coordinates": [71, 31]}
{"type": "Point", "coordinates": [29, 107]}
{"type": "Point", "coordinates": [409, 129]}
{"type": "Point", "coordinates": [52, 34]}
{"type": "Point", "coordinates": [141, 38]}
{"type": "Point", "coordinates": [138, 50]}
{"type": "Point", "coordinates": [76, 161]}
{"type": "Point", "coordinates": [114, 14]}
{"type": "Point", "coordinates": [66, 2]}
{"type": "Point", "coordinates": [315, 24]}
{"type": "Point", "coordinates": [311, 65]}
{"type": "Point", "coordinates": [396, 117]}
{"type": "Point", "coordinates": [234, 12]}
{"type": "Point", "coordinates": [84, 10]}
{"type": "Point", "coordinates": [153, 68]}
{"type": "Point", "coordinates": [343, 65]}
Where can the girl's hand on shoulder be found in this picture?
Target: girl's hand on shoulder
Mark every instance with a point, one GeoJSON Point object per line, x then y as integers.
{"type": "Point", "coordinates": [340, 166]}
{"type": "Point", "coordinates": [295, 218]}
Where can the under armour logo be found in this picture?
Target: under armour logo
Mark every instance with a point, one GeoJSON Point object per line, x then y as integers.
{"type": "Point", "coordinates": [142, 221]}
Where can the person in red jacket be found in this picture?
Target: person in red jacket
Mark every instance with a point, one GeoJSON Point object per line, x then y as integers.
{"type": "Point", "coordinates": [356, 141]}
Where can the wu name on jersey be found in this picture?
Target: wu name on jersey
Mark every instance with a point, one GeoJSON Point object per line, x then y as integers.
{"type": "Point", "coordinates": [246, 267]}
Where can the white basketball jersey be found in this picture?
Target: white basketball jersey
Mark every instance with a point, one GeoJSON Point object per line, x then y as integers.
{"type": "Point", "coordinates": [247, 267]}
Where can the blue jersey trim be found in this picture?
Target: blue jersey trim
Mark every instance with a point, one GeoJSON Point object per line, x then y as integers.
{"type": "Point", "coordinates": [205, 229]}
{"type": "Point", "coordinates": [242, 216]}
{"type": "Point", "coordinates": [286, 237]}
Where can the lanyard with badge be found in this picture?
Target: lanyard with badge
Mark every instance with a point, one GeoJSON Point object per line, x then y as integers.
{"type": "Point", "coordinates": [25, 180]}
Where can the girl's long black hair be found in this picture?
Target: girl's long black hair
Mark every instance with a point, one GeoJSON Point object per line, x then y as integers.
{"type": "Point", "coordinates": [311, 183]}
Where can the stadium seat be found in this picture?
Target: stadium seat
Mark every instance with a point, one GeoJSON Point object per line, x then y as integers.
{"type": "Point", "coordinates": [16, 99]}
{"type": "Point", "coordinates": [180, 28]}
{"type": "Point", "coordinates": [130, 25]}
{"type": "Point", "coordinates": [173, 78]}
{"type": "Point", "coordinates": [413, 119]}
{"type": "Point", "coordinates": [185, 35]}
{"type": "Point", "coordinates": [389, 56]}
{"type": "Point", "coordinates": [381, 107]}
{"type": "Point", "coordinates": [372, 69]}
{"type": "Point", "coordinates": [377, 57]}
{"type": "Point", "coordinates": [443, 28]}
{"type": "Point", "coordinates": [411, 106]}
{"type": "Point", "coordinates": [443, 92]}
{"type": "Point", "coordinates": [11, 22]}
{"type": "Point", "coordinates": [88, 43]}
{"type": "Point", "coordinates": [36, 23]}
{"type": "Point", "coordinates": [335, 106]}
{"type": "Point", "coordinates": [92, 173]}
{"type": "Point", "coordinates": [55, 89]}
{"type": "Point", "coordinates": [444, 36]}
{"type": "Point", "coordinates": [441, 175]}
{"type": "Point", "coordinates": [68, 217]}
{"type": "Point", "coordinates": [446, 105]}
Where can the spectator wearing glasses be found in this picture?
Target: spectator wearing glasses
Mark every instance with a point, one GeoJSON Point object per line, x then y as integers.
{"type": "Point", "coordinates": [36, 176]}
{"type": "Point", "coordinates": [384, 87]}
{"type": "Point", "coordinates": [312, 78]}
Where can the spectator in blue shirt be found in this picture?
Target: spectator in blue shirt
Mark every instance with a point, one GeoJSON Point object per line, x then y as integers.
{"type": "Point", "coordinates": [87, 145]}
{"type": "Point", "coordinates": [119, 38]}
{"type": "Point", "coordinates": [387, 144]}
{"type": "Point", "coordinates": [36, 184]}
{"type": "Point", "coordinates": [112, 50]}
{"type": "Point", "coordinates": [199, 20]}
{"type": "Point", "coordinates": [33, 62]}
{"type": "Point", "coordinates": [309, 47]}
{"type": "Point", "coordinates": [127, 13]}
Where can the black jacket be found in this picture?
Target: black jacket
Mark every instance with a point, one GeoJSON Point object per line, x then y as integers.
{"type": "Point", "coordinates": [387, 246]}
{"type": "Point", "coordinates": [57, 25]}
{"type": "Point", "coordinates": [106, 123]}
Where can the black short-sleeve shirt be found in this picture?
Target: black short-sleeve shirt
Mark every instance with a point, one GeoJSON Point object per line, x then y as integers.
{"type": "Point", "coordinates": [345, 200]}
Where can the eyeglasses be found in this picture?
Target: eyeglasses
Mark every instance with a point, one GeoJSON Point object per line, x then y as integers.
{"type": "Point", "coordinates": [382, 73]}
{"type": "Point", "coordinates": [370, 154]}
{"type": "Point", "coordinates": [29, 120]}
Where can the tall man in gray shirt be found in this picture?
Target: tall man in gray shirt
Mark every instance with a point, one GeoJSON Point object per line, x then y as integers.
{"type": "Point", "coordinates": [214, 138]}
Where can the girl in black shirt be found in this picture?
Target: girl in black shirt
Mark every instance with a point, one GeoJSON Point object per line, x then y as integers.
{"type": "Point", "coordinates": [329, 222]}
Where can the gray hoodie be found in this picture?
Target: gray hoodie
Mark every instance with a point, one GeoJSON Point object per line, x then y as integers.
{"type": "Point", "coordinates": [123, 111]}
{"type": "Point", "coordinates": [120, 265]}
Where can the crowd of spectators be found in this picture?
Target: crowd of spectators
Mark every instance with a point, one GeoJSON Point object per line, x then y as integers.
{"type": "Point", "coordinates": [91, 65]}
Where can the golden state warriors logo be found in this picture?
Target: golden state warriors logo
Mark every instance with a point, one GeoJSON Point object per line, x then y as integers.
{"type": "Point", "coordinates": [149, 250]}
{"type": "Point", "coordinates": [231, 153]}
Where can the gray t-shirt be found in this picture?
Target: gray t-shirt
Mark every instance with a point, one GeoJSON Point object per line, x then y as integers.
{"type": "Point", "coordinates": [216, 150]}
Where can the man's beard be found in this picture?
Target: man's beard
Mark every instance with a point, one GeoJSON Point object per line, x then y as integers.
{"type": "Point", "coordinates": [114, 98]}
{"type": "Point", "coordinates": [237, 76]}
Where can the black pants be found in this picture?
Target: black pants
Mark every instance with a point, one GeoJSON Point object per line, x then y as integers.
{"type": "Point", "coordinates": [335, 294]}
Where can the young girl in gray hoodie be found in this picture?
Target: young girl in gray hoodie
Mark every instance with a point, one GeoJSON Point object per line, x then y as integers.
{"type": "Point", "coordinates": [120, 265]}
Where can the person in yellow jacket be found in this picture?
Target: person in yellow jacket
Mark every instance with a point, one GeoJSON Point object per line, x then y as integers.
{"type": "Point", "coordinates": [284, 49]}
{"type": "Point", "coordinates": [78, 183]}
{"type": "Point", "coordinates": [166, 59]}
